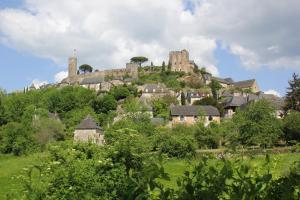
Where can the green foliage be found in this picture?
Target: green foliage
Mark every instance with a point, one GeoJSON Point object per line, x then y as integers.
{"type": "Point", "coordinates": [104, 104]}
{"type": "Point", "coordinates": [163, 67]}
{"type": "Point", "coordinates": [182, 98]}
{"type": "Point", "coordinates": [258, 125]}
{"type": "Point", "coordinates": [85, 68]}
{"type": "Point", "coordinates": [160, 108]}
{"type": "Point", "coordinates": [292, 100]}
{"type": "Point", "coordinates": [120, 92]}
{"type": "Point", "coordinates": [177, 142]}
{"type": "Point", "coordinates": [139, 59]}
{"type": "Point", "coordinates": [292, 127]}
{"type": "Point", "coordinates": [215, 86]}
{"type": "Point", "coordinates": [16, 139]}
{"type": "Point", "coordinates": [206, 137]}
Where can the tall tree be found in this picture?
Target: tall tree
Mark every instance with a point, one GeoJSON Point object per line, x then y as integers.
{"type": "Point", "coordinates": [163, 66]}
{"type": "Point", "coordinates": [85, 68]}
{"type": "Point", "coordinates": [182, 98]}
{"type": "Point", "coordinates": [169, 67]}
{"type": "Point", "coordinates": [215, 86]}
{"type": "Point", "coordinates": [139, 59]}
{"type": "Point", "coordinates": [292, 100]}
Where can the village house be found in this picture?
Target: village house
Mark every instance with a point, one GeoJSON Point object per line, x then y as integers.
{"type": "Point", "coordinates": [231, 104]}
{"type": "Point", "coordinates": [247, 85]}
{"type": "Point", "coordinates": [89, 131]}
{"type": "Point", "coordinates": [195, 96]}
{"type": "Point", "coordinates": [190, 114]}
{"type": "Point", "coordinates": [150, 91]}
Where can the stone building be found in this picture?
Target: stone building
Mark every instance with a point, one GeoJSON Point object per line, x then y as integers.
{"type": "Point", "coordinates": [89, 131]}
{"type": "Point", "coordinates": [192, 114]}
{"type": "Point", "coordinates": [179, 61]}
{"type": "Point", "coordinates": [247, 84]}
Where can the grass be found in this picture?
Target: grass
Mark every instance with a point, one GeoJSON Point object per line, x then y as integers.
{"type": "Point", "coordinates": [10, 168]}
{"type": "Point", "coordinates": [280, 165]}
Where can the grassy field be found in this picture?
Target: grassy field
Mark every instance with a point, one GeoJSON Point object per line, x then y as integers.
{"type": "Point", "coordinates": [280, 165]}
{"type": "Point", "coordinates": [11, 167]}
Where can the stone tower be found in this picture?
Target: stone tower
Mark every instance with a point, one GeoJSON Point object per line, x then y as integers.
{"type": "Point", "coordinates": [73, 65]}
{"type": "Point", "coordinates": [179, 61]}
{"type": "Point", "coordinates": [132, 69]}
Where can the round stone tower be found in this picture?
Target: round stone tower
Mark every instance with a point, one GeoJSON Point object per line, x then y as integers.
{"type": "Point", "coordinates": [73, 65]}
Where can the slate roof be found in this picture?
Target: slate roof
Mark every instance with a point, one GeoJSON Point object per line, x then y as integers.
{"type": "Point", "coordinates": [221, 80]}
{"type": "Point", "coordinates": [154, 88]}
{"type": "Point", "coordinates": [244, 84]}
{"type": "Point", "coordinates": [277, 102]}
{"type": "Point", "coordinates": [88, 123]}
{"type": "Point", "coordinates": [194, 110]}
{"type": "Point", "coordinates": [234, 101]}
{"type": "Point", "coordinates": [92, 80]}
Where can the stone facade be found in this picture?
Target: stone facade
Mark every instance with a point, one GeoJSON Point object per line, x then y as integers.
{"type": "Point", "coordinates": [179, 61]}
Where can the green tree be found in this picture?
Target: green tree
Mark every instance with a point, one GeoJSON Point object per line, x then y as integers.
{"type": "Point", "coordinates": [2, 113]}
{"type": "Point", "coordinates": [215, 86]}
{"type": "Point", "coordinates": [292, 99]}
{"type": "Point", "coordinates": [104, 104]}
{"type": "Point", "coordinates": [85, 68]}
{"type": "Point", "coordinates": [258, 125]}
{"type": "Point", "coordinates": [182, 98]}
{"type": "Point", "coordinates": [292, 127]}
{"type": "Point", "coordinates": [163, 67]}
{"type": "Point", "coordinates": [120, 92]}
{"type": "Point", "coordinates": [139, 59]}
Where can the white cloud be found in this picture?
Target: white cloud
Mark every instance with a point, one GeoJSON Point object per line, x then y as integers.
{"type": "Point", "coordinates": [274, 92]}
{"type": "Point", "coordinates": [38, 83]}
{"type": "Point", "coordinates": [60, 76]}
{"type": "Point", "coordinates": [107, 33]}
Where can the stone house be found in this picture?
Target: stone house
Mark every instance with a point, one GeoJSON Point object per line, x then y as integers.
{"type": "Point", "coordinates": [89, 131]}
{"type": "Point", "coordinates": [247, 84]}
{"type": "Point", "coordinates": [232, 103]}
{"type": "Point", "coordinates": [195, 96]}
{"type": "Point", "coordinates": [150, 91]}
{"type": "Point", "coordinates": [190, 114]}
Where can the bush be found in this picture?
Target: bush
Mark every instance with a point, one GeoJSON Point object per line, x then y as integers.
{"type": "Point", "coordinates": [291, 127]}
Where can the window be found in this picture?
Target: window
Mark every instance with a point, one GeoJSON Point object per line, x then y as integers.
{"type": "Point", "coordinates": [195, 118]}
{"type": "Point", "coordinates": [181, 118]}
{"type": "Point", "coordinates": [210, 118]}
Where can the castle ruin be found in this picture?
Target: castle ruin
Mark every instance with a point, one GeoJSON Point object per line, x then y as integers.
{"type": "Point", "coordinates": [179, 61]}
{"type": "Point", "coordinates": [130, 70]}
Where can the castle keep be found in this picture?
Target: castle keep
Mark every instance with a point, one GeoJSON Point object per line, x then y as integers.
{"type": "Point", "coordinates": [180, 61]}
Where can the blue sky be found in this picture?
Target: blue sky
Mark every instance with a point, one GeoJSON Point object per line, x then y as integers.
{"type": "Point", "coordinates": [38, 54]}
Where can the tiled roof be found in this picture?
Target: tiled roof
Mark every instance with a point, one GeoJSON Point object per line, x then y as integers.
{"type": "Point", "coordinates": [194, 110]}
{"type": "Point", "coordinates": [88, 123]}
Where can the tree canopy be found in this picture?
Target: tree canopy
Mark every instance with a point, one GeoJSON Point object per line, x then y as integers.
{"type": "Point", "coordinates": [85, 68]}
{"type": "Point", "coordinates": [139, 59]}
{"type": "Point", "coordinates": [292, 99]}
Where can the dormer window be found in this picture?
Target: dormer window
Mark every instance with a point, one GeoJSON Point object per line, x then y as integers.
{"type": "Point", "coordinates": [146, 90]}
{"type": "Point", "coordinates": [153, 90]}
{"type": "Point", "coordinates": [181, 118]}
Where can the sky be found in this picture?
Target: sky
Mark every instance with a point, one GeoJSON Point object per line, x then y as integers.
{"type": "Point", "coordinates": [231, 38]}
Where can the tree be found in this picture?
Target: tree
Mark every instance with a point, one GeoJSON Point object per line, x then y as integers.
{"type": "Point", "coordinates": [292, 127]}
{"type": "Point", "coordinates": [85, 68]}
{"type": "Point", "coordinates": [120, 92]}
{"type": "Point", "coordinates": [292, 99]}
{"type": "Point", "coordinates": [139, 59]}
{"type": "Point", "coordinates": [215, 86]}
{"type": "Point", "coordinates": [182, 98]}
{"type": "Point", "coordinates": [169, 67]}
{"type": "Point", "coordinates": [2, 113]}
{"type": "Point", "coordinates": [104, 104]}
{"type": "Point", "coordinates": [257, 124]}
{"type": "Point", "coordinates": [163, 66]}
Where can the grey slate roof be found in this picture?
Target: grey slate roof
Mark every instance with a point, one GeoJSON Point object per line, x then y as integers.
{"type": "Point", "coordinates": [88, 123]}
{"type": "Point", "coordinates": [221, 80]}
{"type": "Point", "coordinates": [194, 110]}
{"type": "Point", "coordinates": [277, 102]}
{"type": "Point", "coordinates": [92, 80]}
{"type": "Point", "coordinates": [234, 101]}
{"type": "Point", "coordinates": [154, 88]}
{"type": "Point", "coordinates": [244, 84]}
